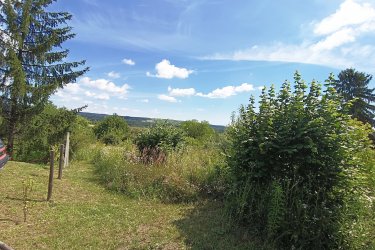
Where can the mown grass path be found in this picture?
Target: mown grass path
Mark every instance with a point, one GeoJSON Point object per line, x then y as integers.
{"type": "Point", "coordinates": [83, 214]}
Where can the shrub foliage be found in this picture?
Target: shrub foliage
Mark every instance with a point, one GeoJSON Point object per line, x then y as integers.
{"type": "Point", "coordinates": [154, 143]}
{"type": "Point", "coordinates": [112, 129]}
{"type": "Point", "coordinates": [46, 130]}
{"type": "Point", "coordinates": [292, 164]}
{"type": "Point", "coordinates": [197, 130]}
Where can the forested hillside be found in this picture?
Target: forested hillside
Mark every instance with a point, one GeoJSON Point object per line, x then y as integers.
{"type": "Point", "coordinates": [141, 122]}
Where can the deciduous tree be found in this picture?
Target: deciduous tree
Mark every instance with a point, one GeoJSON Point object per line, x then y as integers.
{"type": "Point", "coordinates": [112, 129]}
{"type": "Point", "coordinates": [196, 129]}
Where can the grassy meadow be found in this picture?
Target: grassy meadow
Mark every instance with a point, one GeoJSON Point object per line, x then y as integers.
{"type": "Point", "coordinates": [84, 214]}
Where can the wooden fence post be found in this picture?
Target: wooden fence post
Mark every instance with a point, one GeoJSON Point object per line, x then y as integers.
{"type": "Point", "coordinates": [66, 160]}
{"type": "Point", "coordinates": [61, 162]}
{"type": "Point", "coordinates": [50, 182]}
{"type": "Point", "coordinates": [4, 246]}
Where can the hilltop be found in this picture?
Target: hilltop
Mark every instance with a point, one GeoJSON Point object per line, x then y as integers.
{"type": "Point", "coordinates": [139, 121]}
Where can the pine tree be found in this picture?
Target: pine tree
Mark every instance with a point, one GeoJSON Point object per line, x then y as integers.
{"type": "Point", "coordinates": [32, 59]}
{"type": "Point", "coordinates": [353, 86]}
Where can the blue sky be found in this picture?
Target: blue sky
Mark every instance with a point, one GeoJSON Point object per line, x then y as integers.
{"type": "Point", "coordinates": [201, 59]}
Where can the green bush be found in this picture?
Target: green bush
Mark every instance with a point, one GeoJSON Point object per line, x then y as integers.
{"type": "Point", "coordinates": [358, 220]}
{"type": "Point", "coordinates": [82, 139]}
{"type": "Point", "coordinates": [42, 132]}
{"type": "Point", "coordinates": [185, 175]}
{"type": "Point", "coordinates": [292, 163]}
{"type": "Point", "coordinates": [112, 130]}
{"type": "Point", "coordinates": [154, 143]}
{"type": "Point", "coordinates": [197, 130]}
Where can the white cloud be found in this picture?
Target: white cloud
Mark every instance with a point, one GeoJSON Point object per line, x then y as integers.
{"type": "Point", "coordinates": [105, 86]}
{"type": "Point", "coordinates": [224, 92]}
{"type": "Point", "coordinates": [71, 92]}
{"type": "Point", "coordinates": [350, 21]}
{"type": "Point", "coordinates": [166, 70]}
{"type": "Point", "coordinates": [244, 87]}
{"type": "Point", "coordinates": [72, 88]}
{"type": "Point", "coordinates": [167, 98]}
{"type": "Point", "coordinates": [97, 96]}
{"type": "Point", "coordinates": [181, 92]}
{"type": "Point", "coordinates": [285, 53]}
{"type": "Point", "coordinates": [145, 100]}
{"type": "Point", "coordinates": [336, 41]}
{"type": "Point", "coordinates": [343, 36]}
{"type": "Point", "coordinates": [100, 89]}
{"type": "Point", "coordinates": [128, 62]}
{"type": "Point", "coordinates": [113, 74]}
{"type": "Point", "coordinates": [350, 13]}
{"type": "Point", "coordinates": [228, 91]}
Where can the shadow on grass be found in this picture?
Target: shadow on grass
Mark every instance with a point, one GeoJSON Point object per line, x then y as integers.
{"type": "Point", "coordinates": [21, 199]}
{"type": "Point", "coordinates": [16, 222]}
{"type": "Point", "coordinates": [206, 227]}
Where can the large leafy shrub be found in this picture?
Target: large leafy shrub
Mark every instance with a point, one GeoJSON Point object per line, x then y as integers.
{"type": "Point", "coordinates": [42, 132]}
{"type": "Point", "coordinates": [154, 143]}
{"type": "Point", "coordinates": [292, 162]}
{"type": "Point", "coordinates": [112, 129]}
{"type": "Point", "coordinates": [197, 130]}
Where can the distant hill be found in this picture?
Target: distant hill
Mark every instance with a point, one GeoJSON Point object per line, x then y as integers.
{"type": "Point", "coordinates": [138, 121]}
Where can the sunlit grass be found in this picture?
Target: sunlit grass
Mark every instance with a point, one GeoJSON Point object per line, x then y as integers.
{"type": "Point", "coordinates": [84, 214]}
{"type": "Point", "coordinates": [185, 175]}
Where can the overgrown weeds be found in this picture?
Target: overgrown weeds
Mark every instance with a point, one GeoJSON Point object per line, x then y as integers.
{"type": "Point", "coordinates": [183, 175]}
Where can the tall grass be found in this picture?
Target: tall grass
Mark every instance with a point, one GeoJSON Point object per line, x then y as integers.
{"type": "Point", "coordinates": [87, 153]}
{"type": "Point", "coordinates": [185, 175]}
{"type": "Point", "coordinates": [358, 222]}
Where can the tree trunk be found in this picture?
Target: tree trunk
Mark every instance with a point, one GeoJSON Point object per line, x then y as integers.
{"type": "Point", "coordinates": [12, 129]}
{"type": "Point", "coordinates": [4, 246]}
{"type": "Point", "coordinates": [10, 143]}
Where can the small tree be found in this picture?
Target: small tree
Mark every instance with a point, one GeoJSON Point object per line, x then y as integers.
{"type": "Point", "coordinates": [112, 129]}
{"type": "Point", "coordinates": [32, 59]}
{"type": "Point", "coordinates": [197, 130]}
{"type": "Point", "coordinates": [353, 86]}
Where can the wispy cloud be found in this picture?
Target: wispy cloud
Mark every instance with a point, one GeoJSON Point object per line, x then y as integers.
{"type": "Point", "coordinates": [98, 96]}
{"type": "Point", "coordinates": [223, 92]}
{"type": "Point", "coordinates": [167, 98]}
{"type": "Point", "coordinates": [166, 70]}
{"type": "Point", "coordinates": [228, 91]}
{"type": "Point", "coordinates": [181, 92]}
{"type": "Point", "coordinates": [131, 24]}
{"type": "Point", "coordinates": [336, 42]}
{"type": "Point", "coordinates": [128, 61]}
{"type": "Point", "coordinates": [113, 75]}
{"type": "Point", "coordinates": [145, 100]}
